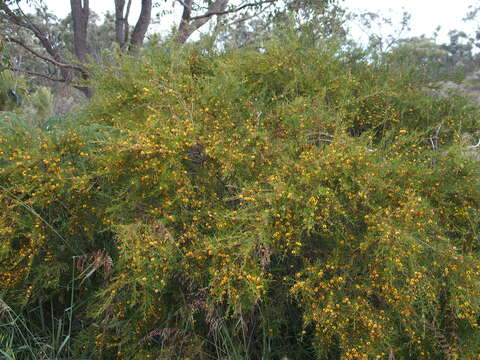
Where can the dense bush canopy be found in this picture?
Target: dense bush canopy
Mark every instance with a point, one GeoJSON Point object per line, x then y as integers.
{"type": "Point", "coordinates": [292, 200]}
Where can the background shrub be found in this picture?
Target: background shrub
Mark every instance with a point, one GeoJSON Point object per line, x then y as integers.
{"type": "Point", "coordinates": [296, 200]}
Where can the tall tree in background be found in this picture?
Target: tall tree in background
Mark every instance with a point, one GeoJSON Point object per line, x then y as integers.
{"type": "Point", "coordinates": [12, 12]}
{"type": "Point", "coordinates": [195, 14]}
{"type": "Point", "coordinates": [122, 28]}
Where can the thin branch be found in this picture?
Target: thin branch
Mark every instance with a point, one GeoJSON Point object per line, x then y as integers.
{"type": "Point", "coordinates": [224, 12]}
{"type": "Point", "coordinates": [33, 73]}
{"type": "Point", "coordinates": [31, 25]}
{"type": "Point", "coordinates": [37, 54]}
{"type": "Point", "coordinates": [248, 17]}
{"type": "Point", "coordinates": [182, 3]}
{"type": "Point", "coordinates": [26, 23]}
{"type": "Point", "coordinates": [243, 19]}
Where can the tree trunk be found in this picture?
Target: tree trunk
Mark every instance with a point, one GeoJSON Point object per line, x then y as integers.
{"type": "Point", "coordinates": [127, 26]}
{"type": "Point", "coordinates": [120, 22]}
{"type": "Point", "coordinates": [54, 57]}
{"type": "Point", "coordinates": [189, 25]}
{"type": "Point", "coordinates": [80, 14]}
{"type": "Point", "coordinates": [142, 25]}
{"type": "Point", "coordinates": [185, 21]}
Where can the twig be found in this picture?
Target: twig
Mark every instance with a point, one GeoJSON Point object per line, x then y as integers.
{"type": "Point", "coordinates": [26, 23]}
{"type": "Point", "coordinates": [212, 13]}
{"type": "Point", "coordinates": [475, 146]}
{"type": "Point", "coordinates": [434, 142]}
{"type": "Point", "coordinates": [33, 73]}
{"type": "Point", "coordinates": [246, 18]}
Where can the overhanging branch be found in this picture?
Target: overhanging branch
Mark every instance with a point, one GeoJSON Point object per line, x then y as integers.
{"type": "Point", "coordinates": [224, 12]}
{"type": "Point", "coordinates": [46, 58]}
{"type": "Point", "coordinates": [25, 22]}
{"type": "Point", "coordinates": [33, 73]}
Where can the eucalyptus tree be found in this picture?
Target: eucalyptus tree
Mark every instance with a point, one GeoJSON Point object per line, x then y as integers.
{"type": "Point", "coordinates": [195, 14]}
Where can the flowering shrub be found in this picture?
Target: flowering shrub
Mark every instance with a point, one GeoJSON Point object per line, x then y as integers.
{"type": "Point", "coordinates": [297, 201]}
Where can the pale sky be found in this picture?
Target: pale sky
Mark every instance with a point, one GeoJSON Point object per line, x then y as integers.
{"type": "Point", "coordinates": [426, 14]}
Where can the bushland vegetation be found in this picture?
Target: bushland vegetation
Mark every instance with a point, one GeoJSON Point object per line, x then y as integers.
{"type": "Point", "coordinates": [295, 198]}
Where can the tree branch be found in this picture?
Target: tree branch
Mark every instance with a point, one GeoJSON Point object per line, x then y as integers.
{"type": "Point", "coordinates": [26, 23]}
{"type": "Point", "coordinates": [142, 25]}
{"type": "Point", "coordinates": [182, 3]}
{"type": "Point", "coordinates": [44, 76]}
{"type": "Point", "coordinates": [248, 17]}
{"type": "Point", "coordinates": [127, 27]}
{"type": "Point", "coordinates": [33, 73]}
{"type": "Point", "coordinates": [50, 60]}
{"type": "Point", "coordinates": [210, 13]}
{"type": "Point", "coordinates": [188, 27]}
{"type": "Point", "coordinates": [80, 13]}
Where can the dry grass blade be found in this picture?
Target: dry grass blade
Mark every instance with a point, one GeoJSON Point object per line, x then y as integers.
{"type": "Point", "coordinates": [88, 264]}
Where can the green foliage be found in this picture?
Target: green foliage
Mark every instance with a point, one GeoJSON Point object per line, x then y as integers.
{"type": "Point", "coordinates": [19, 341]}
{"type": "Point", "coordinates": [12, 90]}
{"type": "Point", "coordinates": [41, 106]}
{"type": "Point", "coordinates": [437, 62]}
{"type": "Point", "coordinates": [292, 201]}
{"type": "Point", "coordinates": [18, 104]}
